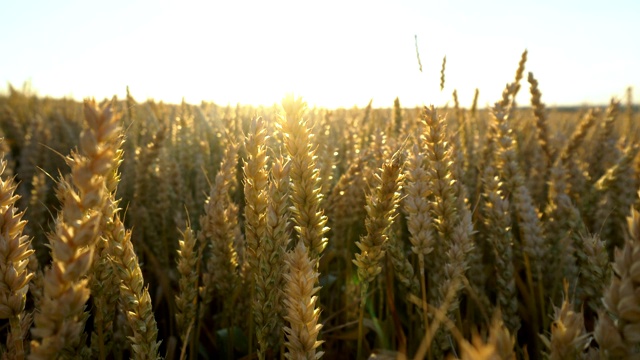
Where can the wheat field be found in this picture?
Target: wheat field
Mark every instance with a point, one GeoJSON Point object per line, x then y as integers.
{"type": "Point", "coordinates": [148, 230]}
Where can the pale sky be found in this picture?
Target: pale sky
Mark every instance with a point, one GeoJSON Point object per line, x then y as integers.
{"type": "Point", "coordinates": [333, 53]}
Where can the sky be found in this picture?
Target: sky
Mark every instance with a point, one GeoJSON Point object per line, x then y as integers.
{"type": "Point", "coordinates": [332, 53]}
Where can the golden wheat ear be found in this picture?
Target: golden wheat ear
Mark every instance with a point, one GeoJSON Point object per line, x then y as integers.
{"type": "Point", "coordinates": [300, 301]}
{"type": "Point", "coordinates": [255, 215]}
{"type": "Point", "coordinates": [568, 338]}
{"type": "Point", "coordinates": [60, 323]}
{"type": "Point", "coordinates": [382, 203]}
{"type": "Point", "coordinates": [218, 225]}
{"type": "Point", "coordinates": [134, 296]}
{"type": "Point", "coordinates": [305, 181]}
{"type": "Point", "coordinates": [187, 299]}
{"type": "Point", "coordinates": [15, 274]}
{"type": "Point", "coordinates": [268, 305]}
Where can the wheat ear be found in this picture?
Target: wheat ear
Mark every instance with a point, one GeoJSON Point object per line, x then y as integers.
{"type": "Point", "coordinates": [187, 299]}
{"type": "Point", "coordinates": [528, 219]}
{"type": "Point", "coordinates": [619, 335]}
{"type": "Point", "coordinates": [419, 220]}
{"type": "Point", "coordinates": [540, 114]}
{"type": "Point", "coordinates": [104, 285]}
{"type": "Point", "coordinates": [443, 200]}
{"type": "Point", "coordinates": [305, 183]}
{"type": "Point", "coordinates": [255, 214]}
{"type": "Point", "coordinates": [596, 270]}
{"type": "Point", "coordinates": [300, 302]}
{"type": "Point", "coordinates": [218, 232]}
{"type": "Point", "coordinates": [270, 273]}
{"type": "Point", "coordinates": [60, 322]}
{"type": "Point", "coordinates": [497, 219]}
{"type": "Point", "coordinates": [568, 336]}
{"type": "Point", "coordinates": [499, 345]}
{"type": "Point", "coordinates": [381, 211]}
{"type": "Point", "coordinates": [444, 64]}
{"type": "Point", "coordinates": [134, 296]}
{"type": "Point", "coordinates": [15, 250]}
